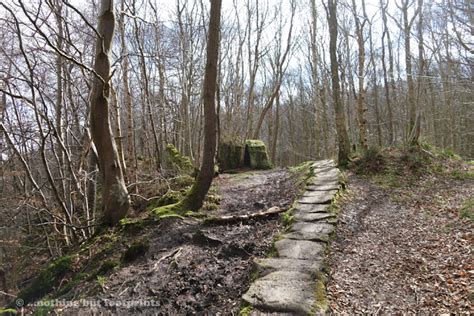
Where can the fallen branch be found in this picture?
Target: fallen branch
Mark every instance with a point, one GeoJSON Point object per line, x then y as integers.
{"type": "Point", "coordinates": [241, 218]}
{"type": "Point", "coordinates": [7, 294]}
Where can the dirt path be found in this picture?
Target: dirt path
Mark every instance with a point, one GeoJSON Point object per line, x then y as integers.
{"type": "Point", "coordinates": [192, 268]}
{"type": "Point", "coordinates": [402, 250]}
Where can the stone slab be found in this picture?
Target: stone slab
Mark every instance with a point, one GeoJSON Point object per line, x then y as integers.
{"type": "Point", "coordinates": [283, 291]}
{"type": "Point", "coordinates": [299, 249]}
{"type": "Point", "coordinates": [256, 312]}
{"type": "Point", "coordinates": [268, 265]}
{"type": "Point", "coordinates": [322, 170]}
{"type": "Point", "coordinates": [323, 180]}
{"type": "Point", "coordinates": [287, 283]}
{"type": "Point", "coordinates": [331, 173]}
{"type": "Point", "coordinates": [311, 208]}
{"type": "Point", "coordinates": [323, 186]}
{"type": "Point", "coordinates": [310, 231]}
{"type": "Point", "coordinates": [312, 217]}
{"type": "Point", "coordinates": [324, 163]}
{"type": "Point", "coordinates": [317, 197]}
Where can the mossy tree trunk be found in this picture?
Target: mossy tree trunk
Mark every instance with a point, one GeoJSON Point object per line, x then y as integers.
{"type": "Point", "coordinates": [115, 196]}
{"type": "Point", "coordinates": [194, 200]}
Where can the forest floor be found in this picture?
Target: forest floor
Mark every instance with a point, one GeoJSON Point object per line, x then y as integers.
{"type": "Point", "coordinates": [404, 242]}
{"type": "Point", "coordinates": [192, 267]}
{"type": "Point", "coordinates": [403, 245]}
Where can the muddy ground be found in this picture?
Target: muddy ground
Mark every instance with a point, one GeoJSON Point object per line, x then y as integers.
{"type": "Point", "coordinates": [194, 268]}
{"type": "Point", "coordinates": [403, 249]}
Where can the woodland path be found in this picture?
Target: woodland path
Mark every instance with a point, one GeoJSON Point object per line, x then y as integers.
{"type": "Point", "coordinates": [293, 281]}
{"type": "Point", "coordinates": [194, 268]}
{"type": "Point", "coordinates": [402, 249]}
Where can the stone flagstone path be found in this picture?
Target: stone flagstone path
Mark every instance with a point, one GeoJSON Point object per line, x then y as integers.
{"type": "Point", "coordinates": [294, 281]}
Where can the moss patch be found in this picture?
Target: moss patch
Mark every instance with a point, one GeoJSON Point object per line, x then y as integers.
{"type": "Point", "coordinates": [287, 218]}
{"type": "Point", "coordinates": [321, 301]}
{"type": "Point", "coordinates": [246, 309]}
{"type": "Point", "coordinates": [231, 155]}
{"type": "Point", "coordinates": [256, 156]}
{"type": "Point", "coordinates": [132, 225]}
{"type": "Point", "coordinates": [303, 168]}
{"type": "Point", "coordinates": [467, 210]}
{"type": "Point", "coordinates": [169, 211]}
{"type": "Point", "coordinates": [47, 280]}
{"type": "Point", "coordinates": [304, 173]}
{"type": "Point", "coordinates": [171, 197]}
{"type": "Point", "coordinates": [177, 161]}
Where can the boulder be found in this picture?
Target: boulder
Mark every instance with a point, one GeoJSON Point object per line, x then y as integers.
{"type": "Point", "coordinates": [255, 155]}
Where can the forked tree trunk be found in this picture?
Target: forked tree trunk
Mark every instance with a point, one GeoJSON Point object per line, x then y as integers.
{"type": "Point", "coordinates": [195, 198]}
{"type": "Point", "coordinates": [115, 197]}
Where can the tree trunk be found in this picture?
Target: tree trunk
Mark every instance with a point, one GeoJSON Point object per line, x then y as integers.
{"type": "Point", "coordinates": [118, 128]}
{"type": "Point", "coordinates": [195, 198]}
{"type": "Point", "coordinates": [421, 77]}
{"type": "Point", "coordinates": [385, 76]}
{"type": "Point", "coordinates": [126, 89]}
{"type": "Point", "coordinates": [276, 130]}
{"type": "Point", "coordinates": [412, 108]}
{"type": "Point", "coordinates": [115, 197]}
{"type": "Point", "coordinates": [342, 137]}
{"type": "Point", "coordinates": [374, 82]}
{"type": "Point", "coordinates": [361, 104]}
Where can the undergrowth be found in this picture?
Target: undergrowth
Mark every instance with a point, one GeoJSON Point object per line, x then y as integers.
{"type": "Point", "coordinates": [399, 166]}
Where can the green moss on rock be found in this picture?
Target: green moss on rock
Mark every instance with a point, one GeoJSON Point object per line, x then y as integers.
{"type": "Point", "coordinates": [256, 156]}
{"type": "Point", "coordinates": [132, 225]}
{"type": "Point", "coordinates": [231, 155]}
{"type": "Point", "coordinates": [167, 211]}
{"type": "Point", "coordinates": [170, 197]}
{"type": "Point", "coordinates": [176, 161]}
{"type": "Point", "coordinates": [182, 181]}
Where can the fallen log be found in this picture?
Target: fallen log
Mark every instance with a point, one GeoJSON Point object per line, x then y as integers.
{"type": "Point", "coordinates": [229, 219]}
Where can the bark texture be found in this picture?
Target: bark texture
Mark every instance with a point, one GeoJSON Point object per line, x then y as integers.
{"type": "Point", "coordinates": [195, 198]}
{"type": "Point", "coordinates": [342, 137]}
{"type": "Point", "coordinates": [115, 198]}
